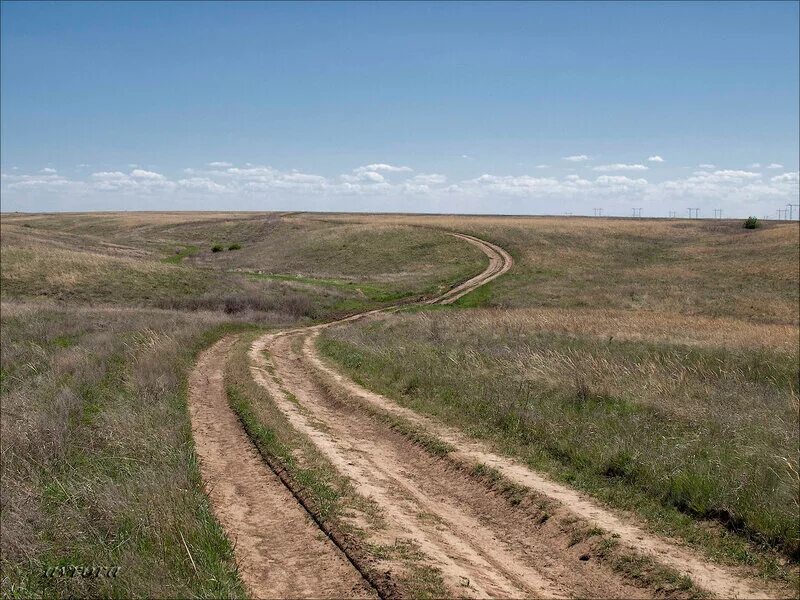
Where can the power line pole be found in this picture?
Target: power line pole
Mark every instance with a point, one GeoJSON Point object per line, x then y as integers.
{"type": "Point", "coordinates": [779, 214]}
{"type": "Point", "coordinates": [791, 206]}
{"type": "Point", "coordinates": [696, 212]}
{"type": "Point", "coordinates": [672, 214]}
{"type": "Point", "coordinates": [717, 213]}
{"type": "Point", "coordinates": [637, 212]}
{"type": "Point", "coordinates": [598, 212]}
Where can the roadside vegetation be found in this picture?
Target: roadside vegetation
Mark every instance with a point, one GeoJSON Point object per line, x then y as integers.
{"type": "Point", "coordinates": [97, 456]}
{"type": "Point", "coordinates": [659, 383]}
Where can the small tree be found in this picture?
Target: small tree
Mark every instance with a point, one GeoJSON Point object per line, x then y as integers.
{"type": "Point", "coordinates": [752, 223]}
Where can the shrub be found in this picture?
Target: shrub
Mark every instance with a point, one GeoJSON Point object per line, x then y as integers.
{"type": "Point", "coordinates": [752, 223]}
{"type": "Point", "coordinates": [235, 247]}
{"type": "Point", "coordinates": [217, 248]}
{"type": "Point", "coordinates": [293, 304]}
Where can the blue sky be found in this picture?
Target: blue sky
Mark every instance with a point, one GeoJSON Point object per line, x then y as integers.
{"type": "Point", "coordinates": [440, 107]}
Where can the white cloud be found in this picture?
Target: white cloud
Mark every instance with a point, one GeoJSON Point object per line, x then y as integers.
{"type": "Point", "coordinates": [619, 167]}
{"type": "Point", "coordinates": [754, 166]}
{"type": "Point", "coordinates": [430, 178]}
{"type": "Point", "coordinates": [787, 178]}
{"type": "Point", "coordinates": [384, 167]}
{"type": "Point", "coordinates": [723, 176]}
{"type": "Point", "coordinates": [201, 184]}
{"type": "Point", "coordinates": [467, 156]}
{"type": "Point", "coordinates": [386, 187]}
{"type": "Point", "coordinates": [620, 180]}
{"type": "Point", "coordinates": [142, 174]}
{"type": "Point", "coordinates": [774, 166]}
{"type": "Point", "coordinates": [220, 163]}
{"type": "Point", "coordinates": [706, 166]}
{"type": "Point", "coordinates": [48, 170]}
{"type": "Point", "coordinates": [542, 166]}
{"type": "Point", "coordinates": [108, 175]}
{"type": "Point", "coordinates": [656, 158]}
{"type": "Point", "coordinates": [576, 158]}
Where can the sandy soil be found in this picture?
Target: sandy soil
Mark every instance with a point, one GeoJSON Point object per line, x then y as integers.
{"type": "Point", "coordinates": [280, 551]}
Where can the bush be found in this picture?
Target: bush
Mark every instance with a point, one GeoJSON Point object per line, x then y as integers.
{"type": "Point", "coordinates": [217, 248]}
{"type": "Point", "coordinates": [293, 304]}
{"type": "Point", "coordinates": [752, 223]}
{"type": "Point", "coordinates": [235, 247]}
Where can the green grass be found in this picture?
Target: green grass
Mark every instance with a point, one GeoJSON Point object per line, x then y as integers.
{"type": "Point", "coordinates": [179, 255]}
{"type": "Point", "coordinates": [315, 482]}
{"type": "Point", "coordinates": [112, 433]}
{"type": "Point", "coordinates": [371, 292]}
{"type": "Point", "coordinates": [578, 420]}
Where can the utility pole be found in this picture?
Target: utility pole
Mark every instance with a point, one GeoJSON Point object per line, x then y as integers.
{"type": "Point", "coordinates": [672, 214]}
{"type": "Point", "coordinates": [791, 206]}
{"type": "Point", "coordinates": [696, 212]}
{"type": "Point", "coordinates": [598, 212]}
{"type": "Point", "coordinates": [637, 212]}
{"type": "Point", "coordinates": [717, 213]}
{"type": "Point", "coordinates": [779, 214]}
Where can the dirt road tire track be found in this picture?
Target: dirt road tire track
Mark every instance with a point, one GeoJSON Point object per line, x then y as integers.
{"type": "Point", "coordinates": [280, 551]}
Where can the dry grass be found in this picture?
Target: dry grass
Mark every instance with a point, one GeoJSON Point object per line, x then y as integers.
{"type": "Point", "coordinates": [94, 430]}
{"type": "Point", "coordinates": [701, 267]}
{"type": "Point", "coordinates": [155, 259]}
{"type": "Point", "coordinates": [651, 363]}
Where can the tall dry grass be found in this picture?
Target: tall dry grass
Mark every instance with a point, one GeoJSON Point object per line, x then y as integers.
{"type": "Point", "coordinates": [632, 407]}
{"type": "Point", "coordinates": [97, 458]}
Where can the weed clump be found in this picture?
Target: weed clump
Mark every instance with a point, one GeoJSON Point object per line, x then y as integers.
{"type": "Point", "coordinates": [752, 223]}
{"type": "Point", "coordinates": [235, 246]}
{"type": "Point", "coordinates": [217, 248]}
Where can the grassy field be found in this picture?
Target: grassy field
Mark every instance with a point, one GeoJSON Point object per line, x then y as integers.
{"type": "Point", "coordinates": [652, 364]}
{"type": "Point", "coordinates": [102, 316]}
{"type": "Point", "coordinates": [158, 260]}
{"type": "Point", "coordinates": [94, 433]}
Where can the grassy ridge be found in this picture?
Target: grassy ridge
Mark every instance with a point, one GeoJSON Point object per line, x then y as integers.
{"type": "Point", "coordinates": [700, 267]}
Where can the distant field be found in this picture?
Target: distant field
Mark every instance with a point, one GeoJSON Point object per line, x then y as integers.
{"type": "Point", "coordinates": [651, 363]}
{"type": "Point", "coordinates": [290, 266]}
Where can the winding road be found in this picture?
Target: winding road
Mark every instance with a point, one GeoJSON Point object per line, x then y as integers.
{"type": "Point", "coordinates": [481, 544]}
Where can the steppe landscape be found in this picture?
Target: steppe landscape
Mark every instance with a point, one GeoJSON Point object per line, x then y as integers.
{"type": "Point", "coordinates": [329, 404]}
{"type": "Point", "coordinates": [402, 300]}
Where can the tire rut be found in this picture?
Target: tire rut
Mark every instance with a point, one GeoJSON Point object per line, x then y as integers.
{"type": "Point", "coordinates": [279, 550]}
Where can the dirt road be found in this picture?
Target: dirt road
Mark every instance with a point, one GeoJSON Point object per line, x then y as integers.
{"type": "Point", "coordinates": [279, 550]}
{"type": "Point", "coordinates": [481, 544]}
